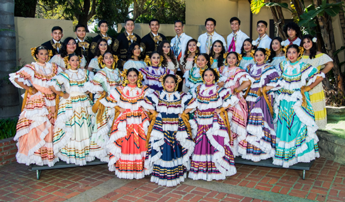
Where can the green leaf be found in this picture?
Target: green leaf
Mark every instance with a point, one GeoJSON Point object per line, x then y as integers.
{"type": "Point", "coordinates": [256, 5]}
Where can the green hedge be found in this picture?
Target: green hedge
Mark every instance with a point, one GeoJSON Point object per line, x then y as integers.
{"type": "Point", "coordinates": [7, 128]}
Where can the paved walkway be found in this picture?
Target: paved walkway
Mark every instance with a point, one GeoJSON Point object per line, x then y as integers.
{"type": "Point", "coordinates": [324, 182]}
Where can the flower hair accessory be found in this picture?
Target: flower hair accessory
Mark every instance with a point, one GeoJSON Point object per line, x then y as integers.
{"type": "Point", "coordinates": [252, 52]}
{"type": "Point", "coordinates": [239, 57]}
{"type": "Point", "coordinates": [254, 43]}
{"type": "Point", "coordinates": [198, 44]}
{"type": "Point", "coordinates": [282, 43]}
{"type": "Point", "coordinates": [125, 79]}
{"type": "Point", "coordinates": [33, 50]}
{"type": "Point", "coordinates": [109, 42]}
{"type": "Point", "coordinates": [195, 59]}
{"type": "Point", "coordinates": [141, 49]}
{"type": "Point", "coordinates": [65, 59]}
{"type": "Point", "coordinates": [160, 61]}
{"type": "Point", "coordinates": [100, 61]}
{"type": "Point", "coordinates": [314, 39]}
{"type": "Point", "coordinates": [147, 60]}
{"type": "Point", "coordinates": [268, 53]}
{"type": "Point", "coordinates": [172, 44]}
{"type": "Point", "coordinates": [225, 55]}
{"type": "Point", "coordinates": [203, 70]}
{"type": "Point", "coordinates": [301, 51]}
{"type": "Point", "coordinates": [211, 60]}
{"type": "Point", "coordinates": [76, 40]}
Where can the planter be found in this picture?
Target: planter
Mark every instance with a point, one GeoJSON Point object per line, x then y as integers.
{"type": "Point", "coordinates": [332, 139]}
{"type": "Point", "coordinates": [8, 150]}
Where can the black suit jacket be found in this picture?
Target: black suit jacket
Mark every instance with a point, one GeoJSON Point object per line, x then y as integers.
{"type": "Point", "coordinates": [84, 50]}
{"type": "Point", "coordinates": [49, 46]}
{"type": "Point", "coordinates": [150, 44]}
{"type": "Point", "coordinates": [122, 45]}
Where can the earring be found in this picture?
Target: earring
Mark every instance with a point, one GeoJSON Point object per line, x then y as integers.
{"type": "Point", "coordinates": [196, 51]}
{"type": "Point", "coordinates": [149, 63]}
{"type": "Point", "coordinates": [213, 81]}
{"type": "Point", "coordinates": [68, 66]}
{"type": "Point", "coordinates": [168, 53]}
{"type": "Point", "coordinates": [188, 52]}
{"type": "Point", "coordinates": [113, 65]}
{"type": "Point", "coordinates": [132, 56]}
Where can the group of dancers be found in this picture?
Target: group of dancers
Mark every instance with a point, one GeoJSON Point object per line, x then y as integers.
{"type": "Point", "coordinates": [86, 101]}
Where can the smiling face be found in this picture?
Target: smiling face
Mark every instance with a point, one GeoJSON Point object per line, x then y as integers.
{"type": "Point", "coordinates": [261, 29]}
{"type": "Point", "coordinates": [154, 26]}
{"type": "Point", "coordinates": [155, 58]}
{"type": "Point", "coordinates": [42, 56]}
{"type": "Point", "coordinates": [247, 46]}
{"type": "Point", "coordinates": [192, 46]}
{"type": "Point", "coordinates": [209, 77]}
{"type": "Point", "coordinates": [178, 28]}
{"type": "Point", "coordinates": [74, 62]}
{"type": "Point", "coordinates": [235, 25]}
{"type": "Point", "coordinates": [108, 60]}
{"type": "Point", "coordinates": [276, 45]}
{"type": "Point", "coordinates": [57, 35]}
{"type": "Point", "coordinates": [201, 61]}
{"type": "Point", "coordinates": [210, 26]}
{"type": "Point", "coordinates": [170, 84]}
{"type": "Point", "coordinates": [132, 77]}
{"type": "Point", "coordinates": [71, 46]}
{"type": "Point", "coordinates": [217, 48]}
{"type": "Point", "coordinates": [103, 28]}
{"type": "Point", "coordinates": [166, 48]}
{"type": "Point", "coordinates": [129, 26]}
{"type": "Point", "coordinates": [103, 46]}
{"type": "Point", "coordinates": [292, 54]}
{"type": "Point", "coordinates": [231, 60]}
{"type": "Point", "coordinates": [136, 51]}
{"type": "Point", "coordinates": [307, 44]}
{"type": "Point", "coordinates": [80, 32]}
{"type": "Point", "coordinates": [259, 57]}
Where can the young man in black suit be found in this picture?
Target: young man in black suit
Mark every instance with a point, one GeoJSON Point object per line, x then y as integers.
{"type": "Point", "coordinates": [103, 28]}
{"type": "Point", "coordinates": [152, 40]}
{"type": "Point", "coordinates": [55, 43]}
{"type": "Point", "coordinates": [82, 44]}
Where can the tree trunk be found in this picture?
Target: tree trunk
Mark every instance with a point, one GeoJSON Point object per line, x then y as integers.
{"type": "Point", "coordinates": [325, 22]}
{"type": "Point", "coordinates": [342, 20]}
{"type": "Point", "coordinates": [9, 102]}
{"type": "Point", "coordinates": [277, 21]}
{"type": "Point", "coordinates": [83, 17]}
{"type": "Point", "coordinates": [135, 10]}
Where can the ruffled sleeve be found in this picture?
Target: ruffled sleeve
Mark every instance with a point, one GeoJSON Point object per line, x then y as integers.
{"type": "Point", "coordinates": [23, 75]}
{"type": "Point", "coordinates": [57, 59]}
{"type": "Point", "coordinates": [270, 77]}
{"type": "Point", "coordinates": [227, 98]}
{"type": "Point", "coordinates": [94, 64]}
{"type": "Point", "coordinates": [321, 59]}
{"type": "Point", "coordinates": [98, 82]}
{"type": "Point", "coordinates": [311, 73]}
{"type": "Point", "coordinates": [60, 81]}
{"type": "Point", "coordinates": [151, 101]}
{"type": "Point", "coordinates": [188, 102]}
{"type": "Point", "coordinates": [83, 62]}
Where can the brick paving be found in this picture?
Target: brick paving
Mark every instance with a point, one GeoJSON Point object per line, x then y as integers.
{"type": "Point", "coordinates": [324, 182]}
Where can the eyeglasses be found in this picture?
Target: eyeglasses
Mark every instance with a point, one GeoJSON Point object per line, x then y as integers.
{"type": "Point", "coordinates": [71, 44]}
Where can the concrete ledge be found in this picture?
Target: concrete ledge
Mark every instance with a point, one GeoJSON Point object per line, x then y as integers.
{"type": "Point", "coordinates": [331, 147]}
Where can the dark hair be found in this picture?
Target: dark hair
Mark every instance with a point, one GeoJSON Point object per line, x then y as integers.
{"type": "Point", "coordinates": [171, 54]}
{"type": "Point", "coordinates": [132, 69]}
{"type": "Point", "coordinates": [261, 49]}
{"type": "Point", "coordinates": [231, 52]}
{"type": "Point", "coordinates": [220, 59]}
{"type": "Point", "coordinates": [97, 51]}
{"type": "Point", "coordinates": [313, 49]}
{"type": "Point", "coordinates": [131, 49]}
{"type": "Point", "coordinates": [261, 21]}
{"type": "Point", "coordinates": [101, 22]}
{"type": "Point", "coordinates": [292, 46]}
{"type": "Point", "coordinates": [106, 52]}
{"type": "Point", "coordinates": [71, 55]}
{"type": "Point", "coordinates": [79, 25]}
{"type": "Point", "coordinates": [211, 19]}
{"type": "Point", "coordinates": [234, 19]}
{"type": "Point", "coordinates": [56, 28]}
{"type": "Point", "coordinates": [186, 50]}
{"type": "Point", "coordinates": [63, 50]}
{"type": "Point", "coordinates": [242, 48]}
{"type": "Point", "coordinates": [128, 19]}
{"type": "Point", "coordinates": [176, 21]}
{"type": "Point", "coordinates": [273, 53]}
{"type": "Point", "coordinates": [154, 52]}
{"type": "Point", "coordinates": [206, 57]}
{"type": "Point", "coordinates": [293, 26]}
{"type": "Point", "coordinates": [153, 20]}
{"type": "Point", "coordinates": [170, 75]}
{"type": "Point", "coordinates": [214, 73]}
{"type": "Point", "coordinates": [38, 48]}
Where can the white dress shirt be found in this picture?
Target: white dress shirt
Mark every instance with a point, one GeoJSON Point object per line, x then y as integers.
{"type": "Point", "coordinates": [202, 40]}
{"type": "Point", "coordinates": [265, 42]}
{"type": "Point", "coordinates": [240, 37]}
{"type": "Point", "coordinates": [297, 41]}
{"type": "Point", "coordinates": [58, 49]}
{"type": "Point", "coordinates": [183, 43]}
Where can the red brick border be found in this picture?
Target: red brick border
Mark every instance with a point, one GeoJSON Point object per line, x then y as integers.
{"type": "Point", "coordinates": [8, 150]}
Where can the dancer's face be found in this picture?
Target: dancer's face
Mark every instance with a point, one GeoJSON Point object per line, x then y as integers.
{"type": "Point", "coordinates": [155, 58]}
{"type": "Point", "coordinates": [108, 60]}
{"type": "Point", "coordinates": [276, 45]}
{"type": "Point", "coordinates": [231, 60]}
{"type": "Point", "coordinates": [292, 54]}
{"type": "Point", "coordinates": [307, 44]}
{"type": "Point", "coordinates": [209, 77]}
{"type": "Point", "coordinates": [136, 51]}
{"type": "Point", "coordinates": [166, 48]}
{"type": "Point", "coordinates": [74, 62]}
{"type": "Point", "coordinates": [42, 56]}
{"type": "Point", "coordinates": [259, 57]}
{"type": "Point", "coordinates": [201, 62]}
{"type": "Point", "coordinates": [170, 84]}
{"type": "Point", "coordinates": [192, 47]}
{"type": "Point", "coordinates": [217, 47]}
{"type": "Point", "coordinates": [132, 77]}
{"type": "Point", "coordinates": [247, 46]}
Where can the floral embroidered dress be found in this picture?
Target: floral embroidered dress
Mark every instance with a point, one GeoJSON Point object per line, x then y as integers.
{"type": "Point", "coordinates": [170, 146]}
{"type": "Point", "coordinates": [212, 158]}
{"type": "Point", "coordinates": [127, 138]}
{"type": "Point", "coordinates": [152, 75]}
{"type": "Point", "coordinates": [134, 64]}
{"type": "Point", "coordinates": [296, 128]}
{"type": "Point", "coordinates": [104, 81]}
{"type": "Point", "coordinates": [73, 125]}
{"type": "Point", "coordinates": [276, 61]}
{"type": "Point", "coordinates": [36, 121]}
{"type": "Point", "coordinates": [237, 113]}
{"type": "Point", "coordinates": [193, 77]}
{"type": "Point", "coordinates": [261, 137]}
{"type": "Point", "coordinates": [187, 66]}
{"type": "Point", "coordinates": [317, 95]}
